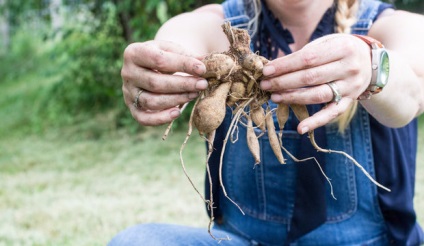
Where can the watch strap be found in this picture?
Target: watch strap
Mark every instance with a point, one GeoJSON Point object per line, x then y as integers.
{"type": "Point", "coordinates": [372, 42]}
{"type": "Point", "coordinates": [372, 89]}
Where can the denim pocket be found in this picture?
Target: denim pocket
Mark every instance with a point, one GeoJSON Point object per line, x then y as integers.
{"type": "Point", "coordinates": [266, 190]}
{"type": "Point", "coordinates": [341, 171]}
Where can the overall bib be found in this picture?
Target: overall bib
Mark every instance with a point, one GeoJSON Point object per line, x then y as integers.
{"type": "Point", "coordinates": [265, 192]}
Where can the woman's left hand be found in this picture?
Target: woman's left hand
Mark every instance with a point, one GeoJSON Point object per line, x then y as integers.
{"type": "Point", "coordinates": [303, 76]}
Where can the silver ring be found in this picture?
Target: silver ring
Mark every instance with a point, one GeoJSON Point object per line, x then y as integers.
{"type": "Point", "coordinates": [136, 103]}
{"type": "Point", "coordinates": [336, 94]}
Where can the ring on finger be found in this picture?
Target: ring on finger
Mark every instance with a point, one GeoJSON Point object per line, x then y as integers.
{"type": "Point", "coordinates": [336, 94]}
{"type": "Point", "coordinates": [136, 103]}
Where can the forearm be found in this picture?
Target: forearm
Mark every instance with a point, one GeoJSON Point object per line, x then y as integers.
{"type": "Point", "coordinates": [198, 31]}
{"type": "Point", "coordinates": [403, 97]}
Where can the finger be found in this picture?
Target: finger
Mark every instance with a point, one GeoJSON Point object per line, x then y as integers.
{"type": "Point", "coordinates": [165, 57]}
{"type": "Point", "coordinates": [324, 116]}
{"type": "Point", "coordinates": [310, 95]}
{"type": "Point", "coordinates": [155, 118]}
{"type": "Point", "coordinates": [163, 83]}
{"type": "Point", "coordinates": [318, 52]}
{"type": "Point", "coordinates": [309, 77]}
{"type": "Point", "coordinates": [314, 94]}
{"type": "Point", "coordinates": [152, 101]}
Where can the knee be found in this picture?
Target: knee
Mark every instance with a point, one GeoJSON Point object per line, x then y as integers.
{"type": "Point", "coordinates": [143, 234]}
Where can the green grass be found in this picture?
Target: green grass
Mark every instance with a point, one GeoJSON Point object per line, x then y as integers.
{"type": "Point", "coordinates": [81, 183]}
{"type": "Point", "coordinates": [56, 191]}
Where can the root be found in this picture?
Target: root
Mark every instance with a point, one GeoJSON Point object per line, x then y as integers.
{"type": "Point", "coordinates": [189, 131]}
{"type": "Point", "coordinates": [233, 122]}
{"type": "Point", "coordinates": [301, 113]}
{"type": "Point", "coordinates": [168, 129]}
{"type": "Point", "coordinates": [210, 139]}
{"type": "Point", "coordinates": [274, 142]}
{"type": "Point", "coordinates": [319, 165]}
{"type": "Point", "coordinates": [312, 138]}
{"type": "Point", "coordinates": [234, 134]}
{"type": "Point", "coordinates": [252, 141]}
{"type": "Point", "coordinates": [282, 114]}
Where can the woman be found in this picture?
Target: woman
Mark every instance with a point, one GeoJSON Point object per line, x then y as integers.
{"type": "Point", "coordinates": [310, 45]}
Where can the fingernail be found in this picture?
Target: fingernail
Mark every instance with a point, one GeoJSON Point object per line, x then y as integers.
{"type": "Point", "coordinates": [276, 97]}
{"type": "Point", "coordinates": [200, 69]}
{"type": "Point", "coordinates": [175, 113]}
{"type": "Point", "coordinates": [304, 130]}
{"type": "Point", "coordinates": [268, 70]}
{"type": "Point", "coordinates": [192, 95]}
{"type": "Point", "coordinates": [201, 84]}
{"type": "Point", "coordinates": [265, 85]}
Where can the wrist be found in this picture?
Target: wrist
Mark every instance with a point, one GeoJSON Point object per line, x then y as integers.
{"type": "Point", "coordinates": [379, 67]}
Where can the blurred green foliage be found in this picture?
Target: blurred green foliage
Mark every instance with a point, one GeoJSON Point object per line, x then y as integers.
{"type": "Point", "coordinates": [141, 19]}
{"type": "Point", "coordinates": [416, 6]}
{"type": "Point", "coordinates": [88, 57]}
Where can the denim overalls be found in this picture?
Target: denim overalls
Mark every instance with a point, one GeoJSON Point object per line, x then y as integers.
{"type": "Point", "coordinates": [266, 194]}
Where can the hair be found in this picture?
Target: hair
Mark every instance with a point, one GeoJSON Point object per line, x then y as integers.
{"type": "Point", "coordinates": [253, 11]}
{"type": "Point", "coordinates": [345, 17]}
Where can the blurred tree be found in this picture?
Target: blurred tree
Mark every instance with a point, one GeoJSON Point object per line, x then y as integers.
{"type": "Point", "coordinates": [4, 27]}
{"type": "Point", "coordinates": [416, 6]}
{"type": "Point", "coordinates": [19, 10]}
{"type": "Point", "coordinates": [56, 15]}
{"type": "Point", "coordinates": [140, 19]}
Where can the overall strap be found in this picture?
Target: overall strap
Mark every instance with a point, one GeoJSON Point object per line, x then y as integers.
{"type": "Point", "coordinates": [234, 12]}
{"type": "Point", "coordinates": [367, 13]}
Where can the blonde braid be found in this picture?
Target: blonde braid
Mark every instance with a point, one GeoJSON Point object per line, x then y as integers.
{"type": "Point", "coordinates": [345, 17]}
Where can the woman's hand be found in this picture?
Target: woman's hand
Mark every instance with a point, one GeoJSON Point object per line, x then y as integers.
{"type": "Point", "coordinates": [302, 77]}
{"type": "Point", "coordinates": [157, 77]}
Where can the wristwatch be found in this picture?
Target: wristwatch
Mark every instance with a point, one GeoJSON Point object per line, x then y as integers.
{"type": "Point", "coordinates": [380, 67]}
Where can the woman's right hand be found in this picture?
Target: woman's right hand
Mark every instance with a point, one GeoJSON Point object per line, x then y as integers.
{"type": "Point", "coordinates": [162, 75]}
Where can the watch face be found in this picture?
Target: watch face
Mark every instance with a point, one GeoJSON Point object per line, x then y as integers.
{"type": "Point", "coordinates": [383, 75]}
